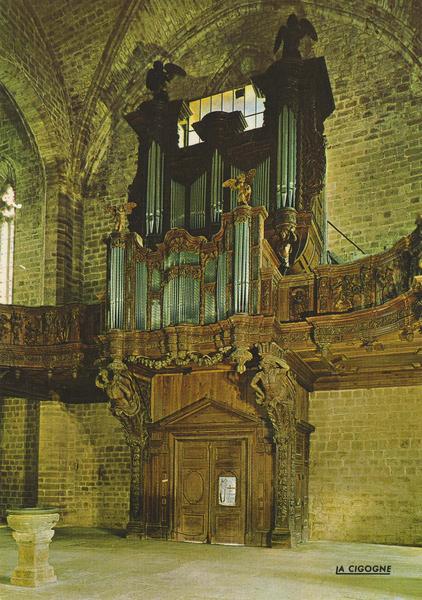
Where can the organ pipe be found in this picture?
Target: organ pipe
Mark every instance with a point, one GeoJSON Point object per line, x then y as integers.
{"type": "Point", "coordinates": [141, 295]}
{"type": "Point", "coordinates": [286, 158]}
{"type": "Point", "coordinates": [155, 189]}
{"type": "Point", "coordinates": [216, 188]}
{"type": "Point", "coordinates": [261, 185]}
{"type": "Point", "coordinates": [116, 288]}
{"type": "Point", "coordinates": [177, 204]}
{"type": "Point", "coordinates": [198, 193]}
{"type": "Point", "coordinates": [241, 266]}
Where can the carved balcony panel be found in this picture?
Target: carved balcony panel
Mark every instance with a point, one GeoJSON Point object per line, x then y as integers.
{"type": "Point", "coordinates": [40, 346]}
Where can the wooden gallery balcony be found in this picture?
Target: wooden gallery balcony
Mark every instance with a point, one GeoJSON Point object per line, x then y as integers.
{"type": "Point", "coordinates": [192, 303]}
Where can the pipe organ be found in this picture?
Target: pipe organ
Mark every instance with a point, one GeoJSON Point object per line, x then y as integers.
{"type": "Point", "coordinates": [190, 286]}
{"type": "Point", "coordinates": [187, 279]}
{"type": "Point", "coordinates": [212, 291]}
{"type": "Point", "coordinates": [181, 187]}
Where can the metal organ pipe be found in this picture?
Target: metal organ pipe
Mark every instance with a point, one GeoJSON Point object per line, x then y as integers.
{"type": "Point", "coordinates": [216, 188]}
{"type": "Point", "coordinates": [141, 289]}
{"type": "Point", "coordinates": [197, 202]}
{"type": "Point", "coordinates": [292, 160]}
{"type": "Point", "coordinates": [221, 286]}
{"type": "Point", "coordinates": [261, 185]}
{"type": "Point", "coordinates": [286, 158]}
{"type": "Point", "coordinates": [150, 197]}
{"type": "Point", "coordinates": [155, 189]}
{"type": "Point", "coordinates": [117, 263]}
{"type": "Point", "coordinates": [177, 204]}
{"type": "Point", "coordinates": [241, 266]}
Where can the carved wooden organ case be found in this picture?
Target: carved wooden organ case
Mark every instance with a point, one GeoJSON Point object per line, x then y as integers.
{"type": "Point", "coordinates": [225, 464]}
{"type": "Point", "coordinates": [220, 314]}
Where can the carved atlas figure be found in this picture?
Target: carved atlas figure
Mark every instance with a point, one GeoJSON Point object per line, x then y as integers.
{"type": "Point", "coordinates": [242, 184]}
{"type": "Point", "coordinates": [160, 75]}
{"type": "Point", "coordinates": [291, 34]}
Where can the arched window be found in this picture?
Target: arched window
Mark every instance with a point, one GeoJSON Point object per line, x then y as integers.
{"type": "Point", "coordinates": [244, 99]}
{"type": "Point", "coordinates": [8, 208]}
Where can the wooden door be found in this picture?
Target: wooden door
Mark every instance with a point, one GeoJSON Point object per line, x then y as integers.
{"type": "Point", "coordinates": [210, 491]}
{"type": "Point", "coordinates": [228, 492]}
{"type": "Point", "coordinates": [192, 491]}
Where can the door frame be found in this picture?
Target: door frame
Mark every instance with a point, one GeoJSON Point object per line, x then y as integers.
{"type": "Point", "coordinates": [208, 436]}
{"type": "Point", "coordinates": [213, 420]}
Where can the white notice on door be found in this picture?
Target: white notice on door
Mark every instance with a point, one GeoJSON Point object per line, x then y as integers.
{"type": "Point", "coordinates": [226, 491]}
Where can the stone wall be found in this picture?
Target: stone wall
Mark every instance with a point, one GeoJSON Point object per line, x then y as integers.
{"type": "Point", "coordinates": [366, 465]}
{"type": "Point", "coordinates": [374, 151]}
{"type": "Point", "coordinates": [18, 453]}
{"type": "Point", "coordinates": [84, 466]}
{"type": "Point", "coordinates": [107, 187]}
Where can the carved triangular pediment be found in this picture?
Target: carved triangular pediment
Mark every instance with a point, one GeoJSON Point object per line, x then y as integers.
{"type": "Point", "coordinates": [207, 412]}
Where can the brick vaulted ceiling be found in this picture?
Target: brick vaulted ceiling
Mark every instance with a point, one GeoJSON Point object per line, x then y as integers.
{"type": "Point", "coordinates": [69, 64]}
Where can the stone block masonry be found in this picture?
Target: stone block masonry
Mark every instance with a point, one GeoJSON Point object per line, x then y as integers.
{"type": "Point", "coordinates": [18, 453]}
{"type": "Point", "coordinates": [366, 465]}
{"type": "Point", "coordinates": [84, 466]}
{"type": "Point", "coordinates": [73, 457]}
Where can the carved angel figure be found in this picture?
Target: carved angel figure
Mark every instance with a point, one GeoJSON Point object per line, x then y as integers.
{"type": "Point", "coordinates": [291, 34]}
{"type": "Point", "coordinates": [242, 183]}
{"type": "Point", "coordinates": [160, 75]}
{"type": "Point", "coordinates": [120, 214]}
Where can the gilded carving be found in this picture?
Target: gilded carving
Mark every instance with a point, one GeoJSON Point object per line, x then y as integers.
{"type": "Point", "coordinates": [285, 235]}
{"type": "Point", "coordinates": [120, 215]}
{"type": "Point", "coordinates": [4, 327]}
{"type": "Point", "coordinates": [242, 184]}
{"type": "Point", "coordinates": [299, 302]}
{"type": "Point", "coordinates": [181, 358]}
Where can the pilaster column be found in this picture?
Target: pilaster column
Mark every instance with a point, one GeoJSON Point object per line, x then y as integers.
{"type": "Point", "coordinates": [129, 403]}
{"type": "Point", "coordinates": [274, 387]}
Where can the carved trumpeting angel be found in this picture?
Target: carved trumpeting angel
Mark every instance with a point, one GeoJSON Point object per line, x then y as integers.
{"type": "Point", "coordinates": [242, 183]}
{"type": "Point", "coordinates": [120, 214]}
{"type": "Point", "coordinates": [291, 34]}
{"type": "Point", "coordinates": [160, 75]}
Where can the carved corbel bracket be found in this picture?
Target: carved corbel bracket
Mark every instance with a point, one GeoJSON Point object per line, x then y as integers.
{"type": "Point", "coordinates": [128, 402]}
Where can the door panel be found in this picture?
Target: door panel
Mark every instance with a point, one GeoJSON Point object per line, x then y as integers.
{"type": "Point", "coordinates": [192, 491]}
{"type": "Point", "coordinates": [228, 495]}
{"type": "Point", "coordinates": [211, 491]}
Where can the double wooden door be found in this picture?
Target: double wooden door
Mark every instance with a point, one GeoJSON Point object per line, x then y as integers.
{"type": "Point", "coordinates": [211, 479]}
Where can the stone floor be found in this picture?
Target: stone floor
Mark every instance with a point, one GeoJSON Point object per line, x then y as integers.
{"type": "Point", "coordinates": [94, 564]}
